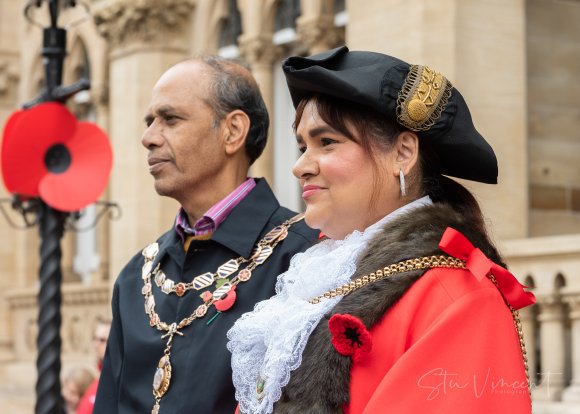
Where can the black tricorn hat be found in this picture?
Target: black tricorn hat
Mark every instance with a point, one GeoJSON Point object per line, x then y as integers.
{"type": "Point", "coordinates": [414, 96]}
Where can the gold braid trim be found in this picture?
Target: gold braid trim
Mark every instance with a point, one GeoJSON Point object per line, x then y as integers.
{"type": "Point", "coordinates": [520, 332]}
{"type": "Point", "coordinates": [426, 262]}
{"type": "Point", "coordinates": [422, 99]}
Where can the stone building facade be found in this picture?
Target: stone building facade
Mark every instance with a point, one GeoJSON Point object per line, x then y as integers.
{"type": "Point", "coordinates": [515, 61]}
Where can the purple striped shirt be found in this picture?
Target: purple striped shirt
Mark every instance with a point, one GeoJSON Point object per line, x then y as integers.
{"type": "Point", "coordinates": [212, 218]}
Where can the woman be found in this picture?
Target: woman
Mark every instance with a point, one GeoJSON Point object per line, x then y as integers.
{"type": "Point", "coordinates": [406, 307]}
{"type": "Point", "coordinates": [74, 385]}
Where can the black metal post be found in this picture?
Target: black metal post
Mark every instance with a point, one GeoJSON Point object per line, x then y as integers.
{"type": "Point", "coordinates": [51, 222]}
{"type": "Point", "coordinates": [48, 390]}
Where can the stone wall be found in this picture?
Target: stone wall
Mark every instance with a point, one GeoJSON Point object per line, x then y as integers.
{"type": "Point", "coordinates": [553, 92]}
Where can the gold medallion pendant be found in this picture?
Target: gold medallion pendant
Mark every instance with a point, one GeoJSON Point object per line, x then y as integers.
{"type": "Point", "coordinates": [161, 381]}
{"type": "Point", "coordinates": [162, 377]}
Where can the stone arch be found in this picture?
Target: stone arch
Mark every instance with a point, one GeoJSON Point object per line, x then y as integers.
{"type": "Point", "coordinates": [559, 282]}
{"type": "Point", "coordinates": [93, 60]}
{"type": "Point", "coordinates": [228, 26]}
{"type": "Point", "coordinates": [530, 282]}
{"type": "Point", "coordinates": [36, 71]}
{"type": "Point", "coordinates": [78, 63]}
{"type": "Point", "coordinates": [287, 12]}
{"type": "Point", "coordinates": [78, 66]}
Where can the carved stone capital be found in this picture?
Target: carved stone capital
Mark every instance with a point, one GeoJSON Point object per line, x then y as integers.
{"type": "Point", "coordinates": [9, 77]}
{"type": "Point", "coordinates": [573, 302]}
{"type": "Point", "coordinates": [258, 49]}
{"type": "Point", "coordinates": [318, 33]}
{"type": "Point", "coordinates": [551, 309]}
{"type": "Point", "coordinates": [125, 21]}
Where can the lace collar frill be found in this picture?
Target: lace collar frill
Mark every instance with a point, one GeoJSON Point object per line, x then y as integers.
{"type": "Point", "coordinates": [267, 343]}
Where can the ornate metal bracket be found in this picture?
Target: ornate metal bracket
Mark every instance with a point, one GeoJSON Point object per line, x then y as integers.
{"type": "Point", "coordinates": [29, 210]}
{"type": "Point", "coordinates": [112, 210]}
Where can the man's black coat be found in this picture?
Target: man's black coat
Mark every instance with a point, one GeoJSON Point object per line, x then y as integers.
{"type": "Point", "coordinates": [201, 376]}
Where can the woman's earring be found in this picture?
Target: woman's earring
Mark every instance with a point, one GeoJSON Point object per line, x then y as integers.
{"type": "Point", "coordinates": [402, 183]}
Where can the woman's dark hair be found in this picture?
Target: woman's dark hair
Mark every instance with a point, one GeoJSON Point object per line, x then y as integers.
{"type": "Point", "coordinates": [442, 189]}
{"type": "Point", "coordinates": [233, 89]}
{"type": "Point", "coordinates": [374, 132]}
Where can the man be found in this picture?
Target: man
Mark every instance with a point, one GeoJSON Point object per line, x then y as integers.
{"type": "Point", "coordinates": [174, 302]}
{"type": "Point", "coordinates": [102, 329]}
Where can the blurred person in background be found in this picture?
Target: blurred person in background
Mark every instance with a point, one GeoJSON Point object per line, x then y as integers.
{"type": "Point", "coordinates": [100, 337]}
{"type": "Point", "coordinates": [74, 385]}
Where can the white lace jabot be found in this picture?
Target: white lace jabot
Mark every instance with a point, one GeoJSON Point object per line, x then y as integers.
{"type": "Point", "coordinates": [267, 343]}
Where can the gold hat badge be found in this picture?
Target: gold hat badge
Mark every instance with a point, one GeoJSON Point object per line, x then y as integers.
{"type": "Point", "coordinates": [422, 98]}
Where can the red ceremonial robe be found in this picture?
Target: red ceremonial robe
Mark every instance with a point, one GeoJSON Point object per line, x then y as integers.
{"type": "Point", "coordinates": [442, 340]}
{"type": "Point", "coordinates": [448, 346]}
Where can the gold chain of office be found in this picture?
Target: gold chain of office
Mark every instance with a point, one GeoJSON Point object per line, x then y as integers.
{"type": "Point", "coordinates": [260, 254]}
{"type": "Point", "coordinates": [426, 262]}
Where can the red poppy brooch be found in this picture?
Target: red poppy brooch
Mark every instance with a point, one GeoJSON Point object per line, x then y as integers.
{"type": "Point", "coordinates": [350, 336]}
{"type": "Point", "coordinates": [46, 152]}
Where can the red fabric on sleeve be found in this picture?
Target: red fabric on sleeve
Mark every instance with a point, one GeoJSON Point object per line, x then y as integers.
{"type": "Point", "coordinates": [88, 399]}
{"type": "Point", "coordinates": [448, 346]}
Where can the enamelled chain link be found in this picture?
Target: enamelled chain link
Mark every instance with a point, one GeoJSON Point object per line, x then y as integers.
{"type": "Point", "coordinates": [260, 254]}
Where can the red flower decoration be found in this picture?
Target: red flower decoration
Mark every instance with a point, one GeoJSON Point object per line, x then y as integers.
{"type": "Point", "coordinates": [227, 301]}
{"type": "Point", "coordinates": [350, 336]}
{"type": "Point", "coordinates": [46, 152]}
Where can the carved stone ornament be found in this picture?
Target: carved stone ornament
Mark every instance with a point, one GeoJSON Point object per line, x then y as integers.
{"type": "Point", "coordinates": [573, 302]}
{"type": "Point", "coordinates": [123, 21]}
{"type": "Point", "coordinates": [258, 49]}
{"type": "Point", "coordinates": [8, 78]}
{"type": "Point", "coordinates": [318, 34]}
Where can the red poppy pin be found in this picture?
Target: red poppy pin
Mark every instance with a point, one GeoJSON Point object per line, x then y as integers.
{"type": "Point", "coordinates": [350, 336]}
{"type": "Point", "coordinates": [226, 301]}
{"type": "Point", "coordinates": [46, 152]}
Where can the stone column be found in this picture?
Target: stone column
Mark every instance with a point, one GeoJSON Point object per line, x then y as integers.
{"type": "Point", "coordinates": [528, 319]}
{"type": "Point", "coordinates": [552, 349]}
{"type": "Point", "coordinates": [205, 32]}
{"type": "Point", "coordinates": [315, 26]}
{"type": "Point", "coordinates": [257, 49]}
{"type": "Point", "coordinates": [455, 37]}
{"type": "Point", "coordinates": [144, 39]}
{"type": "Point", "coordinates": [572, 393]}
{"type": "Point", "coordinates": [16, 241]}
{"type": "Point", "coordinates": [10, 80]}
